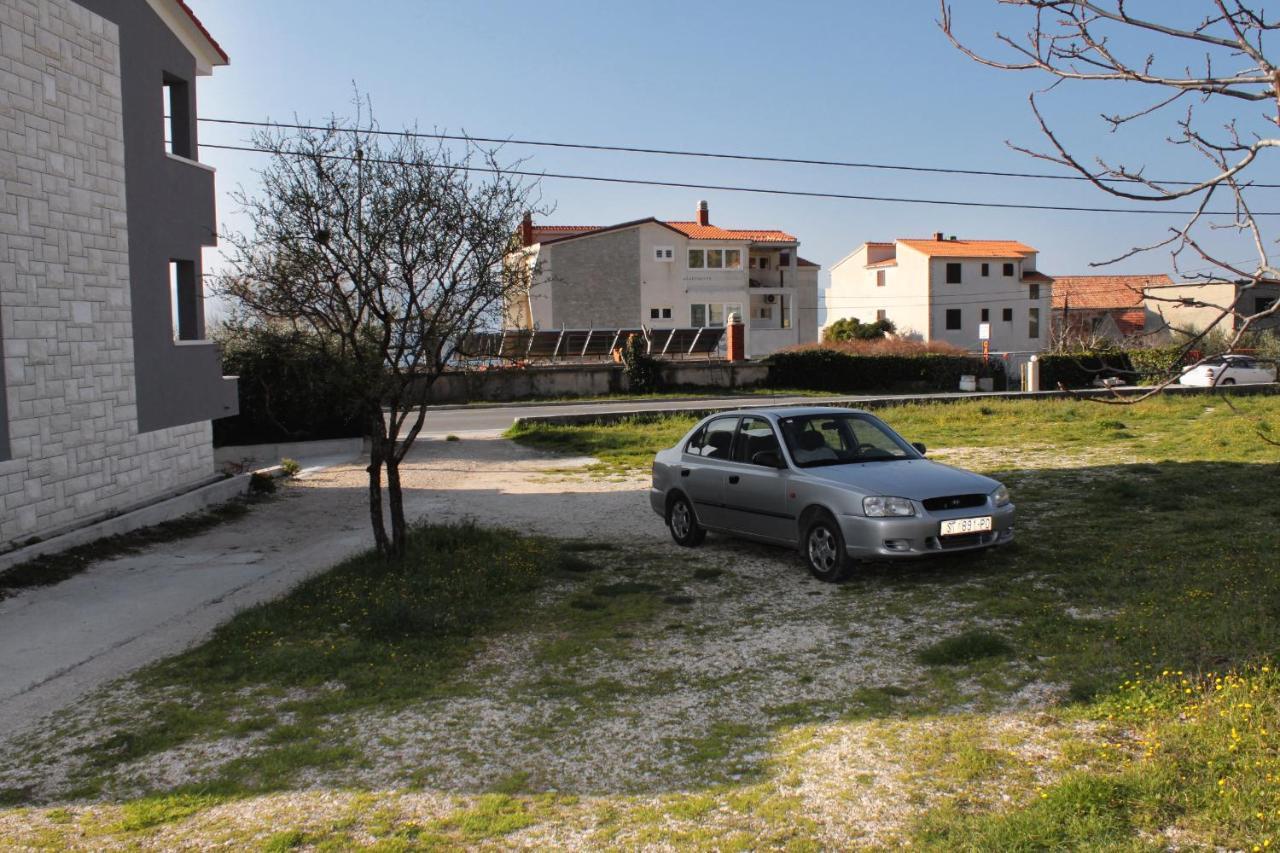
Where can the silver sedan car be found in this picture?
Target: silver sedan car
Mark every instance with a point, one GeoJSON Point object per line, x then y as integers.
{"type": "Point", "coordinates": [839, 484]}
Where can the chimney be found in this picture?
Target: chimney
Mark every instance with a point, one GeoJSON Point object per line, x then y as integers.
{"type": "Point", "coordinates": [526, 229]}
{"type": "Point", "coordinates": [937, 236]}
{"type": "Point", "coordinates": [704, 213]}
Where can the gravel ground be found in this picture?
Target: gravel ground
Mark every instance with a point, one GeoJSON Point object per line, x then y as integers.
{"type": "Point", "coordinates": [705, 693]}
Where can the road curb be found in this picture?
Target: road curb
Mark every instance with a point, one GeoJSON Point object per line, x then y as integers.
{"type": "Point", "coordinates": [887, 401]}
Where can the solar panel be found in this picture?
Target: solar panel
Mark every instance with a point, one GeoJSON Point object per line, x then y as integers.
{"type": "Point", "coordinates": [581, 344]}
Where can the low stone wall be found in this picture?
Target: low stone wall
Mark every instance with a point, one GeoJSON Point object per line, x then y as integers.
{"type": "Point", "coordinates": [573, 380]}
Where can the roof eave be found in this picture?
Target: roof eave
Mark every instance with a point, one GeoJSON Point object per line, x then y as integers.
{"type": "Point", "coordinates": [184, 24]}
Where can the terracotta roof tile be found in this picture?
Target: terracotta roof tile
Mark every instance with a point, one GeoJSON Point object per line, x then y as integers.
{"type": "Point", "coordinates": [694, 231]}
{"type": "Point", "coordinates": [1035, 277]}
{"type": "Point", "coordinates": [1103, 291]}
{"type": "Point", "coordinates": [968, 248]}
{"type": "Point", "coordinates": [1131, 321]}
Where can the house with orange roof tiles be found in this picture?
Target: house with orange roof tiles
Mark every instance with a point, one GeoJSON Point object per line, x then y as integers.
{"type": "Point", "coordinates": [666, 274]}
{"type": "Point", "coordinates": [1104, 307]}
{"type": "Point", "coordinates": [942, 288]}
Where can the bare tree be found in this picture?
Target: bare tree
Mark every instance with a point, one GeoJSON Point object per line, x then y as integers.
{"type": "Point", "coordinates": [389, 250]}
{"type": "Point", "coordinates": [1214, 60]}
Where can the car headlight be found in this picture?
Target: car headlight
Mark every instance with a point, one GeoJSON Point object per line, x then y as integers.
{"type": "Point", "coordinates": [1000, 497]}
{"type": "Point", "coordinates": [881, 507]}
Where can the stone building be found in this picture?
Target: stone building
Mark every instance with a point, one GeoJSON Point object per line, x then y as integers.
{"type": "Point", "coordinates": [665, 274]}
{"type": "Point", "coordinates": [108, 385]}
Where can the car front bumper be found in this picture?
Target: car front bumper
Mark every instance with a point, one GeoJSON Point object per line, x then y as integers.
{"type": "Point", "coordinates": [919, 536]}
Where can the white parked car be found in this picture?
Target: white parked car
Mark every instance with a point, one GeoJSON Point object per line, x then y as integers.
{"type": "Point", "coordinates": [1228, 370]}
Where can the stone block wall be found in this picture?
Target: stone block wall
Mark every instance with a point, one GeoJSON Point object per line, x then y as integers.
{"type": "Point", "coordinates": [74, 449]}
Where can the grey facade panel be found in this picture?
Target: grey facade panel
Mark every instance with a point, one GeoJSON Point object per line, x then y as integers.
{"type": "Point", "coordinates": [4, 395]}
{"type": "Point", "coordinates": [171, 210]}
{"type": "Point", "coordinates": [595, 281]}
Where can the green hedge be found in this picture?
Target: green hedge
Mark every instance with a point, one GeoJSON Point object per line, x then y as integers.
{"type": "Point", "coordinates": [822, 369]}
{"type": "Point", "coordinates": [1080, 369]}
{"type": "Point", "coordinates": [290, 389]}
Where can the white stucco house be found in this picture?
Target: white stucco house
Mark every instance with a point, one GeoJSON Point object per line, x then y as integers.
{"type": "Point", "coordinates": [942, 289]}
{"type": "Point", "coordinates": [668, 274]}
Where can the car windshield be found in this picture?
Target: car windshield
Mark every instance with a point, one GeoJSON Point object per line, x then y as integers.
{"type": "Point", "coordinates": [839, 439]}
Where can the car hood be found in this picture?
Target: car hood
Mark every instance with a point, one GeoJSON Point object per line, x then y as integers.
{"type": "Point", "coordinates": [909, 478]}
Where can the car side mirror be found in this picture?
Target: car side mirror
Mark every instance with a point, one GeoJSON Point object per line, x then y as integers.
{"type": "Point", "coordinates": [920, 446]}
{"type": "Point", "coordinates": [768, 459]}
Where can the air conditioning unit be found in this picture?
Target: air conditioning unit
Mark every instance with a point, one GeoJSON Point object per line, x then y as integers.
{"type": "Point", "coordinates": [771, 298]}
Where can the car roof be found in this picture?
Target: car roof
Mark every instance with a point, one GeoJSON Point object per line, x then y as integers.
{"type": "Point", "coordinates": [791, 411]}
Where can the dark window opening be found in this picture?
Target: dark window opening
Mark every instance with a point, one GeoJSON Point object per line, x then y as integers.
{"type": "Point", "coordinates": [986, 270]}
{"type": "Point", "coordinates": [1033, 323]}
{"type": "Point", "coordinates": [953, 319]}
{"type": "Point", "coordinates": [986, 315]}
{"type": "Point", "coordinates": [177, 112]}
{"type": "Point", "coordinates": [784, 259]}
{"type": "Point", "coordinates": [1008, 269]}
{"type": "Point", "coordinates": [1007, 315]}
{"type": "Point", "coordinates": [953, 273]}
{"type": "Point", "coordinates": [1262, 303]}
{"type": "Point", "coordinates": [186, 299]}
{"type": "Point", "coordinates": [1035, 291]}
{"type": "Point", "coordinates": [879, 278]}
{"type": "Point", "coordinates": [881, 314]}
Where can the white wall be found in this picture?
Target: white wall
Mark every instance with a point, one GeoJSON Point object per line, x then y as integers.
{"type": "Point", "coordinates": [994, 292]}
{"type": "Point", "coordinates": [65, 315]}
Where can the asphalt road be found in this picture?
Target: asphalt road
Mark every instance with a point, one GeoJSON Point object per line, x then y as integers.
{"type": "Point", "coordinates": [490, 420]}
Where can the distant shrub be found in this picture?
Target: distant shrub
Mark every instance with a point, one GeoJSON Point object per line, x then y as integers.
{"type": "Point", "coordinates": [261, 484]}
{"type": "Point", "coordinates": [834, 369]}
{"type": "Point", "coordinates": [852, 329]}
{"type": "Point", "coordinates": [291, 388]}
{"type": "Point", "coordinates": [643, 372]}
{"type": "Point", "coordinates": [290, 466]}
{"type": "Point", "coordinates": [1080, 369]}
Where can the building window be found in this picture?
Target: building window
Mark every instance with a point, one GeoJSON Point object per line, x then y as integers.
{"type": "Point", "coordinates": [953, 319]}
{"type": "Point", "coordinates": [659, 313]}
{"type": "Point", "coordinates": [986, 270]}
{"type": "Point", "coordinates": [1007, 315]}
{"type": "Point", "coordinates": [177, 118]}
{"type": "Point", "coordinates": [879, 278]}
{"type": "Point", "coordinates": [1262, 303]}
{"type": "Point", "coordinates": [663, 253]}
{"type": "Point", "coordinates": [953, 273]}
{"type": "Point", "coordinates": [1035, 292]}
{"type": "Point", "coordinates": [986, 315]}
{"type": "Point", "coordinates": [784, 316]}
{"type": "Point", "coordinates": [784, 259]}
{"type": "Point", "coordinates": [1033, 323]}
{"type": "Point", "coordinates": [1008, 270]}
{"type": "Point", "coordinates": [881, 314]}
{"type": "Point", "coordinates": [185, 301]}
{"type": "Point", "coordinates": [712, 313]}
{"type": "Point", "coordinates": [766, 312]}
{"type": "Point", "coordinates": [715, 259]}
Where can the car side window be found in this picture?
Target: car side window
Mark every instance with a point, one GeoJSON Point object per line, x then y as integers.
{"type": "Point", "coordinates": [755, 436]}
{"type": "Point", "coordinates": [714, 440]}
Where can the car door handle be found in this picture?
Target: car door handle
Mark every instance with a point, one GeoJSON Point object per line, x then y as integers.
{"type": "Point", "coordinates": [733, 480]}
{"type": "Point", "coordinates": [684, 472]}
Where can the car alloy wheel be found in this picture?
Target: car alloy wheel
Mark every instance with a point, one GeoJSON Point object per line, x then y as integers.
{"type": "Point", "coordinates": [824, 547]}
{"type": "Point", "coordinates": [685, 529]}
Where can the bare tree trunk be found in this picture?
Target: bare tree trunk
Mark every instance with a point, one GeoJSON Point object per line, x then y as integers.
{"type": "Point", "coordinates": [377, 458]}
{"type": "Point", "coordinates": [395, 497]}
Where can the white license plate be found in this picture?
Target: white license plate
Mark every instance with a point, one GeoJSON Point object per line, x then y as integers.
{"type": "Point", "coordinates": [957, 526]}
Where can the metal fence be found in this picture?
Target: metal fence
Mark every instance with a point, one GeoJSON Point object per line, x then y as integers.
{"type": "Point", "coordinates": [569, 345]}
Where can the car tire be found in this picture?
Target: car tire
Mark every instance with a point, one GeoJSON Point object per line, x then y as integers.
{"type": "Point", "coordinates": [822, 548]}
{"type": "Point", "coordinates": [1227, 382]}
{"type": "Point", "coordinates": [683, 523]}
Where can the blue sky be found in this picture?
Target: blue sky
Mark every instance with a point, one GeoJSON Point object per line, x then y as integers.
{"type": "Point", "coordinates": [854, 80]}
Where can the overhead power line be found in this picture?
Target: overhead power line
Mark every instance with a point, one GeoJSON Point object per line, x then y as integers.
{"type": "Point", "coordinates": [761, 190]}
{"type": "Point", "coordinates": [713, 155]}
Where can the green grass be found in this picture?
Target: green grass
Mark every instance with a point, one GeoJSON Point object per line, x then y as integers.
{"type": "Point", "coordinates": [1145, 589]}
{"type": "Point", "coordinates": [1172, 427]}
